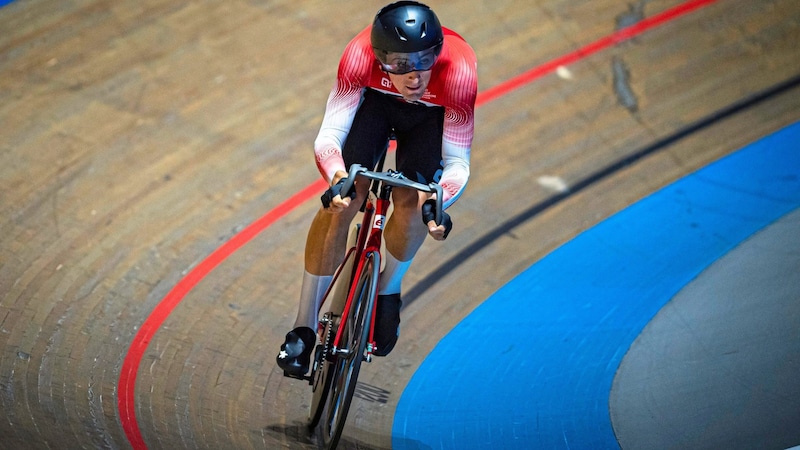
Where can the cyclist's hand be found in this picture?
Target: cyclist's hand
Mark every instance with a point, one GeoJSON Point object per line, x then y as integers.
{"type": "Point", "coordinates": [334, 200]}
{"type": "Point", "coordinates": [438, 232]}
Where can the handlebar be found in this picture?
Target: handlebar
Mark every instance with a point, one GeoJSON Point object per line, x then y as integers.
{"type": "Point", "coordinates": [395, 179]}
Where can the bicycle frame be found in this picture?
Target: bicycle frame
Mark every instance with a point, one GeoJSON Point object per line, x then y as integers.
{"type": "Point", "coordinates": [352, 295]}
{"type": "Point", "coordinates": [369, 240]}
{"type": "Point", "coordinates": [370, 234]}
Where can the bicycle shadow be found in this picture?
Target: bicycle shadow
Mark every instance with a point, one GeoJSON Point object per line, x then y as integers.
{"type": "Point", "coordinates": [299, 436]}
{"type": "Point", "coordinates": [296, 435]}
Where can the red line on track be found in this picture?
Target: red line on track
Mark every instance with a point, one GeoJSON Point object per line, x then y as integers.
{"type": "Point", "coordinates": [130, 366]}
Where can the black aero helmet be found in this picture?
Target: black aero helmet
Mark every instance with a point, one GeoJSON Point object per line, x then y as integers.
{"type": "Point", "coordinates": [406, 36]}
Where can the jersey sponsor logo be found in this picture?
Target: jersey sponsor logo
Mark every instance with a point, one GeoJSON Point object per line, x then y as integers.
{"type": "Point", "coordinates": [387, 84]}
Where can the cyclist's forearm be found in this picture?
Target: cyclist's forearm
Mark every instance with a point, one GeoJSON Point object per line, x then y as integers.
{"type": "Point", "coordinates": [455, 174]}
{"type": "Point", "coordinates": [330, 163]}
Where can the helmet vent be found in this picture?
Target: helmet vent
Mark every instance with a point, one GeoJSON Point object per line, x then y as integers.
{"type": "Point", "coordinates": [401, 34]}
{"type": "Point", "coordinates": [424, 30]}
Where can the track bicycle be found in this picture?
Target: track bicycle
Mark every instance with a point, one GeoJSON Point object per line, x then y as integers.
{"type": "Point", "coordinates": [346, 330]}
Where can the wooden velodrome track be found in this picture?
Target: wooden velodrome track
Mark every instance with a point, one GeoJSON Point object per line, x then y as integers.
{"type": "Point", "coordinates": [138, 137]}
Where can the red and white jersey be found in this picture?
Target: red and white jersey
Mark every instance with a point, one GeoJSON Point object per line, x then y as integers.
{"type": "Point", "coordinates": [453, 85]}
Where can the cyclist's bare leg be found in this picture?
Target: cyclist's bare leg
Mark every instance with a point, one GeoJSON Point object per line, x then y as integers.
{"type": "Point", "coordinates": [325, 246]}
{"type": "Point", "coordinates": [404, 235]}
{"type": "Point", "coordinates": [405, 231]}
{"type": "Point", "coordinates": [312, 291]}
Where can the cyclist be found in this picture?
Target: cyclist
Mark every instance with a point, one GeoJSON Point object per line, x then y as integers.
{"type": "Point", "coordinates": [405, 77]}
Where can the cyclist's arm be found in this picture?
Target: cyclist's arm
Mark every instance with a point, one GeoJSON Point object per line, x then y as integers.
{"type": "Point", "coordinates": [456, 171]}
{"type": "Point", "coordinates": [343, 101]}
{"type": "Point", "coordinates": [459, 122]}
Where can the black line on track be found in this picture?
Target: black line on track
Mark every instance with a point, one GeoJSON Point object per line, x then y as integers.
{"type": "Point", "coordinates": [661, 144]}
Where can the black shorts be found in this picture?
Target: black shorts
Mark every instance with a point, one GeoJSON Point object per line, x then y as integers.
{"type": "Point", "coordinates": [417, 128]}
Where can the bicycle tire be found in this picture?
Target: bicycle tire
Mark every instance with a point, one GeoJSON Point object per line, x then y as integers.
{"type": "Point", "coordinates": [344, 370]}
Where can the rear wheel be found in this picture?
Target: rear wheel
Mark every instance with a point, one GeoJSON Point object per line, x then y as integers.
{"type": "Point", "coordinates": [345, 365]}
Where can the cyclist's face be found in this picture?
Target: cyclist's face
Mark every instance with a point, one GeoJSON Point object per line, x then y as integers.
{"type": "Point", "coordinates": [411, 85]}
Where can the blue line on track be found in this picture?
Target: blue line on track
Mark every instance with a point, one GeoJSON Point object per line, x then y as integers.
{"type": "Point", "coordinates": [532, 366]}
{"type": "Point", "coordinates": [5, 2]}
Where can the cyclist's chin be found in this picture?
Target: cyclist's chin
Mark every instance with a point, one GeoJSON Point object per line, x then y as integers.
{"type": "Point", "coordinates": [413, 95]}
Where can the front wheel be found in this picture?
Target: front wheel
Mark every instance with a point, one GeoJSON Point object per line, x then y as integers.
{"type": "Point", "coordinates": [345, 365]}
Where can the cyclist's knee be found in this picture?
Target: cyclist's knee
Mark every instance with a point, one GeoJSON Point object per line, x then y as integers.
{"type": "Point", "coordinates": [406, 199]}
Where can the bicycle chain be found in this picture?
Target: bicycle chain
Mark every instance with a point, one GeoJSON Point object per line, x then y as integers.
{"type": "Point", "coordinates": [328, 339]}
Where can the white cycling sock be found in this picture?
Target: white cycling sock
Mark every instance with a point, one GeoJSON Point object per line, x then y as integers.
{"type": "Point", "coordinates": [314, 287]}
{"type": "Point", "coordinates": [392, 275]}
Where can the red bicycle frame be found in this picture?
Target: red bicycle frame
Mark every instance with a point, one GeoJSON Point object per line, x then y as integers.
{"type": "Point", "coordinates": [370, 236]}
{"type": "Point", "coordinates": [369, 240]}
